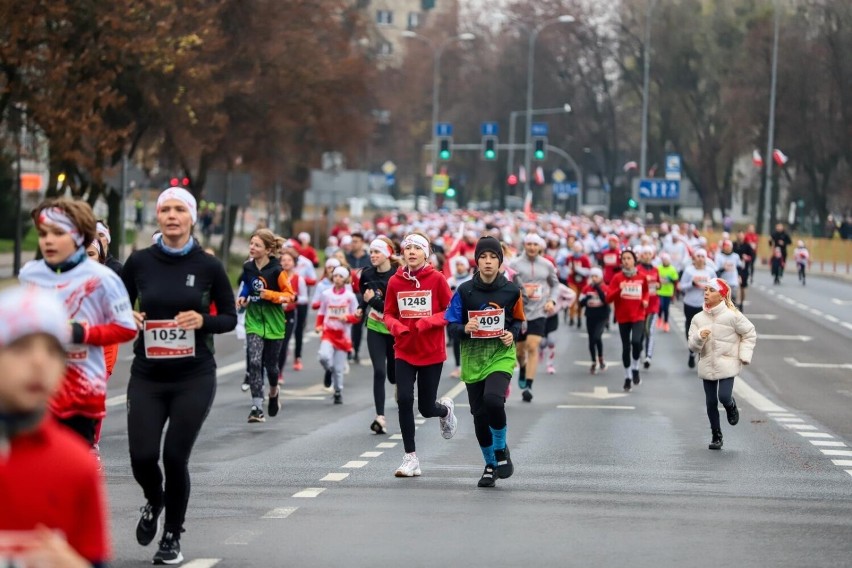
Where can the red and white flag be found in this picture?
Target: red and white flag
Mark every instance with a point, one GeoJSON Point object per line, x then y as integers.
{"type": "Point", "coordinates": [528, 205]}
{"type": "Point", "coordinates": [757, 159]}
{"type": "Point", "coordinates": [630, 166]}
{"type": "Point", "coordinates": [779, 157]}
{"type": "Point", "coordinates": [539, 175]}
{"type": "Point", "coordinates": [522, 174]}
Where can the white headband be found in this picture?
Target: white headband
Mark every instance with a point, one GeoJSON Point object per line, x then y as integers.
{"type": "Point", "coordinates": [534, 238]}
{"type": "Point", "coordinates": [417, 241]}
{"type": "Point", "coordinates": [180, 194]}
{"type": "Point", "coordinates": [58, 218]}
{"type": "Point", "coordinates": [382, 247]}
{"type": "Point", "coordinates": [30, 310]}
{"type": "Point", "coordinates": [341, 271]}
{"type": "Point", "coordinates": [103, 229]}
{"type": "Point", "coordinates": [332, 262]}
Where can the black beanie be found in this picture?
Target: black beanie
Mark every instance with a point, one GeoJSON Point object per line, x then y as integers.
{"type": "Point", "coordinates": [489, 244]}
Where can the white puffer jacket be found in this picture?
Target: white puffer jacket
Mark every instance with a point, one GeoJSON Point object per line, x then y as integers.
{"type": "Point", "coordinates": [729, 345]}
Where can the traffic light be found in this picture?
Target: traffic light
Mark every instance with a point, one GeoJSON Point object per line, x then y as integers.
{"type": "Point", "coordinates": [489, 148]}
{"type": "Point", "coordinates": [451, 192]}
{"type": "Point", "coordinates": [539, 148]}
{"type": "Point", "coordinates": [632, 204]}
{"type": "Point", "coordinates": [445, 148]}
{"type": "Point", "coordinates": [179, 182]}
{"type": "Point", "coordinates": [512, 180]}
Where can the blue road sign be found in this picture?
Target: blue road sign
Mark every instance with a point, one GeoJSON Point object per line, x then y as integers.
{"type": "Point", "coordinates": [490, 129]}
{"type": "Point", "coordinates": [443, 129]}
{"type": "Point", "coordinates": [539, 129]}
{"type": "Point", "coordinates": [659, 189]}
{"type": "Point", "coordinates": [673, 167]}
{"type": "Point", "coordinates": [390, 179]}
{"type": "Point", "coordinates": [565, 189]}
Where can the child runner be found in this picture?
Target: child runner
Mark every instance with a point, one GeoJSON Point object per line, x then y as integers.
{"type": "Point", "coordinates": [460, 266]}
{"type": "Point", "coordinates": [291, 309]}
{"type": "Point", "coordinates": [802, 257]}
{"type": "Point", "coordinates": [334, 321]}
{"type": "Point", "coordinates": [593, 299]}
{"type": "Point", "coordinates": [417, 296]}
{"type": "Point", "coordinates": [653, 277]}
{"type": "Point", "coordinates": [486, 315]}
{"type": "Point", "coordinates": [724, 339]}
{"type": "Point", "coordinates": [628, 291]}
{"type": "Point", "coordinates": [668, 277]}
{"type": "Point", "coordinates": [692, 282]}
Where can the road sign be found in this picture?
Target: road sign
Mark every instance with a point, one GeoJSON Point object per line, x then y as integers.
{"type": "Point", "coordinates": [558, 175]}
{"type": "Point", "coordinates": [539, 129]}
{"type": "Point", "coordinates": [389, 168]}
{"type": "Point", "coordinates": [659, 189]}
{"type": "Point", "coordinates": [440, 183]}
{"type": "Point", "coordinates": [564, 190]}
{"type": "Point", "coordinates": [490, 129]}
{"type": "Point", "coordinates": [443, 129]}
{"type": "Point", "coordinates": [673, 167]}
{"type": "Point", "coordinates": [390, 179]}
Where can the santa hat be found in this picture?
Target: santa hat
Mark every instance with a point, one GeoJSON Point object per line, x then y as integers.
{"type": "Point", "coordinates": [719, 285]}
{"type": "Point", "coordinates": [29, 310]}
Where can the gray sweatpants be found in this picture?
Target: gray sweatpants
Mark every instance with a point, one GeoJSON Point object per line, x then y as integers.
{"type": "Point", "coordinates": [333, 360]}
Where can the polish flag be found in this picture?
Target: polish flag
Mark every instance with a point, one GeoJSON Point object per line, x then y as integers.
{"type": "Point", "coordinates": [779, 157]}
{"type": "Point", "coordinates": [539, 175]}
{"type": "Point", "coordinates": [756, 159]}
{"type": "Point", "coordinates": [522, 174]}
{"type": "Point", "coordinates": [528, 205]}
{"type": "Point", "coordinates": [630, 166]}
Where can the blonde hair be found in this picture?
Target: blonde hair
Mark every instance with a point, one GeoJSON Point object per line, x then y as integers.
{"type": "Point", "coordinates": [728, 302]}
{"type": "Point", "coordinates": [394, 257]}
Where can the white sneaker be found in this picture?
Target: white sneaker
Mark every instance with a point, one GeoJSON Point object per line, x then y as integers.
{"type": "Point", "coordinates": [410, 466]}
{"type": "Point", "coordinates": [346, 368]}
{"type": "Point", "coordinates": [551, 370]}
{"type": "Point", "coordinates": [450, 423]}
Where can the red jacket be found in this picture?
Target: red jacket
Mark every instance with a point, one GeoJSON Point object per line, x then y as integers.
{"type": "Point", "coordinates": [629, 295]}
{"type": "Point", "coordinates": [610, 260]}
{"type": "Point", "coordinates": [418, 331]}
{"type": "Point", "coordinates": [576, 279]}
{"type": "Point", "coordinates": [652, 275]}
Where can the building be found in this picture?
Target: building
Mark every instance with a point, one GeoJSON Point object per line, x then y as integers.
{"type": "Point", "coordinates": [390, 18]}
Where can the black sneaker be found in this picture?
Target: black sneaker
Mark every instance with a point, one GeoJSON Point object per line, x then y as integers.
{"type": "Point", "coordinates": [692, 360]}
{"type": "Point", "coordinates": [273, 405]}
{"type": "Point", "coordinates": [627, 385]}
{"type": "Point", "coordinates": [488, 478]}
{"type": "Point", "coordinates": [338, 398]}
{"type": "Point", "coordinates": [245, 386]}
{"type": "Point", "coordinates": [148, 525]}
{"type": "Point", "coordinates": [601, 365]}
{"type": "Point", "coordinates": [716, 443]}
{"type": "Point", "coordinates": [505, 467]}
{"type": "Point", "coordinates": [527, 395]}
{"type": "Point", "coordinates": [637, 380]}
{"type": "Point", "coordinates": [169, 552]}
{"type": "Point", "coordinates": [256, 415]}
{"type": "Point", "coordinates": [647, 363]}
{"type": "Point", "coordinates": [326, 381]}
{"type": "Point", "coordinates": [733, 413]}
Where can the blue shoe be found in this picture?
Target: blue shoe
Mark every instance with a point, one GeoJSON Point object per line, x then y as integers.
{"type": "Point", "coordinates": [522, 383]}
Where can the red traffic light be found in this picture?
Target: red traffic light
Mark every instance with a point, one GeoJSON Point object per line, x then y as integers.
{"type": "Point", "coordinates": [185, 182]}
{"type": "Point", "coordinates": [173, 182]}
{"type": "Point", "coordinates": [512, 179]}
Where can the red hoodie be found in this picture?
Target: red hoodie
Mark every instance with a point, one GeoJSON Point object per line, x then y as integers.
{"type": "Point", "coordinates": [418, 331]}
{"type": "Point", "coordinates": [653, 277]}
{"type": "Point", "coordinates": [629, 295]}
{"type": "Point", "coordinates": [611, 260]}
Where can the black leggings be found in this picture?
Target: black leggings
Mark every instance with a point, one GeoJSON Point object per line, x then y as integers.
{"type": "Point", "coordinates": [714, 393]}
{"type": "Point", "coordinates": [665, 302]}
{"type": "Point", "coordinates": [301, 320]}
{"type": "Point", "coordinates": [595, 326]}
{"type": "Point", "coordinates": [185, 404]}
{"type": "Point", "coordinates": [262, 358]}
{"type": "Point", "coordinates": [289, 325]}
{"type": "Point", "coordinates": [357, 333]}
{"type": "Point", "coordinates": [689, 313]}
{"type": "Point", "coordinates": [457, 351]}
{"type": "Point", "coordinates": [488, 405]}
{"type": "Point", "coordinates": [380, 346]}
{"type": "Point", "coordinates": [632, 335]}
{"type": "Point", "coordinates": [83, 426]}
{"type": "Point", "coordinates": [427, 378]}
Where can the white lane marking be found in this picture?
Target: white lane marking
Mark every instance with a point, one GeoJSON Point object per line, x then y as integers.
{"type": "Point", "coordinates": [455, 391]}
{"type": "Point", "coordinates": [309, 492]}
{"type": "Point", "coordinates": [844, 453]}
{"type": "Point", "coordinates": [846, 324]}
{"type": "Point", "coordinates": [754, 398]}
{"type": "Point", "coordinates": [600, 393]}
{"type": "Point", "coordinates": [608, 407]}
{"type": "Point", "coordinates": [815, 312]}
{"type": "Point", "coordinates": [462, 405]}
{"type": "Point", "coordinates": [370, 454]}
{"type": "Point", "coordinates": [606, 335]}
{"type": "Point", "coordinates": [828, 443]}
{"type": "Point", "coordinates": [782, 414]}
{"type": "Point", "coordinates": [279, 513]}
{"type": "Point", "coordinates": [117, 400]}
{"type": "Point", "coordinates": [241, 537]}
{"type": "Point", "coordinates": [770, 317]}
{"type": "Point", "coordinates": [396, 437]}
{"type": "Point", "coordinates": [815, 435]}
{"type": "Point", "coordinates": [387, 445]}
{"type": "Point", "coordinates": [355, 464]}
{"type": "Point", "coordinates": [790, 420]}
{"type": "Point", "coordinates": [775, 337]}
{"type": "Point", "coordinates": [832, 319]}
{"type": "Point", "coordinates": [335, 477]}
{"type": "Point", "coordinates": [840, 302]}
{"type": "Point", "coordinates": [799, 426]}
{"type": "Point", "coordinates": [849, 471]}
{"type": "Point", "coordinates": [796, 363]}
{"type": "Point", "coordinates": [420, 421]}
{"type": "Point", "coordinates": [202, 563]}
{"type": "Point", "coordinates": [842, 463]}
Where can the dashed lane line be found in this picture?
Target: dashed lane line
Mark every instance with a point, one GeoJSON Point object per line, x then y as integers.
{"type": "Point", "coordinates": [815, 435]}
{"type": "Point", "coordinates": [335, 477]}
{"type": "Point", "coordinates": [355, 464]}
{"type": "Point", "coordinates": [309, 493]}
{"type": "Point", "coordinates": [387, 445]}
{"type": "Point", "coordinates": [829, 443]}
{"type": "Point", "coordinates": [279, 513]}
{"type": "Point", "coordinates": [371, 454]}
{"type": "Point", "coordinates": [202, 563]}
{"type": "Point", "coordinates": [843, 453]}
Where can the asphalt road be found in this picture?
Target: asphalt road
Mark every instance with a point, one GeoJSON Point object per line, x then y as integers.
{"type": "Point", "coordinates": [600, 481]}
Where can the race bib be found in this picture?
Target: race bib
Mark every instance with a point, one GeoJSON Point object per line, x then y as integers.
{"type": "Point", "coordinates": [376, 315]}
{"type": "Point", "coordinates": [594, 301]}
{"type": "Point", "coordinates": [653, 286]}
{"type": "Point", "coordinates": [699, 280]}
{"type": "Point", "coordinates": [337, 311]}
{"type": "Point", "coordinates": [414, 304]}
{"type": "Point", "coordinates": [76, 353]}
{"type": "Point", "coordinates": [492, 323]}
{"type": "Point", "coordinates": [729, 267]}
{"type": "Point", "coordinates": [610, 259]}
{"type": "Point", "coordinates": [164, 340]}
{"type": "Point", "coordinates": [632, 291]}
{"type": "Point", "coordinates": [533, 291]}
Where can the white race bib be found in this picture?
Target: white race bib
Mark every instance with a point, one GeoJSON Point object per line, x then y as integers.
{"type": "Point", "coordinates": [337, 311]}
{"type": "Point", "coordinates": [533, 291]}
{"type": "Point", "coordinates": [164, 340]}
{"type": "Point", "coordinates": [376, 315]}
{"type": "Point", "coordinates": [492, 323]}
{"type": "Point", "coordinates": [699, 280]}
{"type": "Point", "coordinates": [77, 353]}
{"type": "Point", "coordinates": [729, 267]}
{"type": "Point", "coordinates": [414, 304]}
{"type": "Point", "coordinates": [632, 291]}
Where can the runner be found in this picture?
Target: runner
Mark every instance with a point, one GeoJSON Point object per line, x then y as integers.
{"type": "Point", "coordinates": [537, 278]}
{"type": "Point", "coordinates": [728, 266]}
{"type": "Point", "coordinates": [628, 291]}
{"type": "Point", "coordinates": [105, 238]}
{"type": "Point", "coordinates": [460, 267]}
{"type": "Point", "coordinates": [593, 298]}
{"type": "Point", "coordinates": [291, 309]}
{"type": "Point", "coordinates": [695, 278]}
{"type": "Point", "coordinates": [307, 271]}
{"type": "Point", "coordinates": [802, 258]}
{"type": "Point", "coordinates": [646, 256]}
{"type": "Point", "coordinates": [746, 252]}
{"type": "Point", "coordinates": [668, 278]}
{"type": "Point", "coordinates": [417, 296]}
{"type": "Point", "coordinates": [725, 340]}
{"type": "Point", "coordinates": [579, 266]}
{"type": "Point", "coordinates": [358, 258]}
{"type": "Point", "coordinates": [374, 283]}
{"type": "Point", "coordinates": [96, 301]}
{"type": "Point", "coordinates": [337, 314]}
{"type": "Point", "coordinates": [486, 315]}
{"type": "Point", "coordinates": [173, 375]}
{"type": "Point", "coordinates": [265, 286]}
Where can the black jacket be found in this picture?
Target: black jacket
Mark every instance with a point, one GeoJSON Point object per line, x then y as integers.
{"type": "Point", "coordinates": [477, 295]}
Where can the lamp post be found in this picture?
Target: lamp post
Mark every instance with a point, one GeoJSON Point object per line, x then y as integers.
{"type": "Point", "coordinates": [564, 19]}
{"type": "Point", "coordinates": [770, 142]}
{"type": "Point", "coordinates": [646, 80]}
{"type": "Point", "coordinates": [436, 77]}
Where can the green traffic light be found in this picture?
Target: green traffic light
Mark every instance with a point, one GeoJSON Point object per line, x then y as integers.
{"type": "Point", "coordinates": [490, 154]}
{"type": "Point", "coordinates": [632, 203]}
{"type": "Point", "coordinates": [445, 154]}
{"type": "Point", "coordinates": [451, 192]}
{"type": "Point", "coordinates": [539, 154]}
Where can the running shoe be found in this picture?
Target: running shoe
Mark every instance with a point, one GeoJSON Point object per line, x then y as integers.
{"type": "Point", "coordinates": [627, 385]}
{"type": "Point", "coordinates": [245, 386]}
{"type": "Point", "coordinates": [169, 552]}
{"type": "Point", "coordinates": [326, 381]}
{"type": "Point", "coordinates": [551, 370]}
{"type": "Point", "coordinates": [691, 362]}
{"type": "Point", "coordinates": [280, 379]}
{"type": "Point", "coordinates": [149, 524]}
{"type": "Point", "coordinates": [449, 423]}
{"type": "Point", "coordinates": [273, 405]}
{"type": "Point", "coordinates": [592, 368]}
{"type": "Point", "coordinates": [379, 425]}
{"type": "Point", "coordinates": [647, 363]}
{"type": "Point", "coordinates": [338, 397]}
{"type": "Point", "coordinates": [733, 413]}
{"type": "Point", "coordinates": [527, 395]}
{"type": "Point", "coordinates": [666, 327]}
{"type": "Point", "coordinates": [505, 467]}
{"type": "Point", "coordinates": [256, 415]}
{"type": "Point", "coordinates": [488, 478]}
{"type": "Point", "coordinates": [456, 373]}
{"type": "Point", "coordinates": [601, 365]}
{"type": "Point", "coordinates": [410, 466]}
{"type": "Point", "coordinates": [637, 380]}
{"type": "Point", "coordinates": [297, 364]}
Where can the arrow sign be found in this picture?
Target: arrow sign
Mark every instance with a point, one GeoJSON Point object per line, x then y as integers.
{"type": "Point", "coordinates": [489, 129]}
{"type": "Point", "coordinates": [600, 393]}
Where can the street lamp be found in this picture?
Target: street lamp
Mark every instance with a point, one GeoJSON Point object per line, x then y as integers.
{"type": "Point", "coordinates": [436, 76]}
{"type": "Point", "coordinates": [767, 198]}
{"type": "Point", "coordinates": [564, 19]}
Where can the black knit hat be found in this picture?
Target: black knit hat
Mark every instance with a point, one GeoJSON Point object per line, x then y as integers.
{"type": "Point", "coordinates": [489, 244]}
